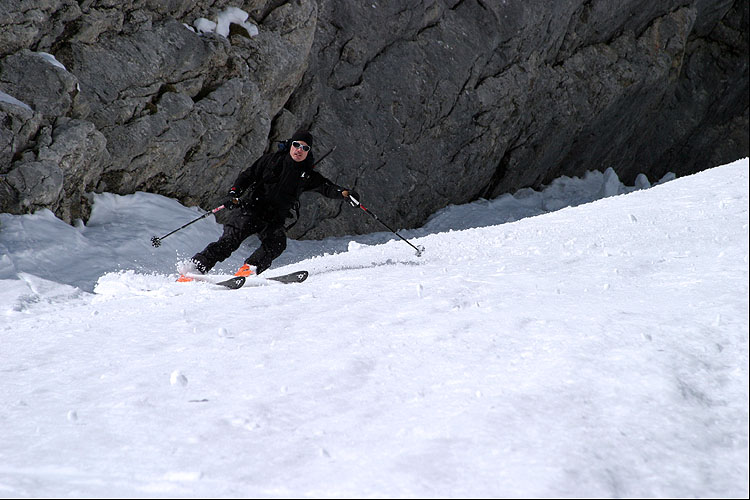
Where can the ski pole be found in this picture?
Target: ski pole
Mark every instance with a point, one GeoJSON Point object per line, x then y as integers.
{"type": "Point", "coordinates": [355, 203]}
{"type": "Point", "coordinates": [156, 241]}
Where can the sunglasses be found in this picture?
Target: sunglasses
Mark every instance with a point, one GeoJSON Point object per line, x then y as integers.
{"type": "Point", "coordinates": [303, 147]}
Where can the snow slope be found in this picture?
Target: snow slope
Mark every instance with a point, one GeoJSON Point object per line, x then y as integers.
{"type": "Point", "coordinates": [599, 350]}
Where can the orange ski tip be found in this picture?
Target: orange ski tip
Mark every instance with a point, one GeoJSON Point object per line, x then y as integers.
{"type": "Point", "coordinates": [184, 279]}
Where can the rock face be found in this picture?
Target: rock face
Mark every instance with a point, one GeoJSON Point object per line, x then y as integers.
{"type": "Point", "coordinates": [427, 102]}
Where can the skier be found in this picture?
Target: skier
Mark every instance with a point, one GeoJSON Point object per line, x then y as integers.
{"type": "Point", "coordinates": [260, 200]}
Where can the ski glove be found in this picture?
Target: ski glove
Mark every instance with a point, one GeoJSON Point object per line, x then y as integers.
{"type": "Point", "coordinates": [353, 198]}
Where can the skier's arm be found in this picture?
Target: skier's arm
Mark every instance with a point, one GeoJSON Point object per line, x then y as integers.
{"type": "Point", "coordinates": [320, 184]}
{"type": "Point", "coordinates": [247, 178]}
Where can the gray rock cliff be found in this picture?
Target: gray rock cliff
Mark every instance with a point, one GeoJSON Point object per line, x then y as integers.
{"type": "Point", "coordinates": [427, 102]}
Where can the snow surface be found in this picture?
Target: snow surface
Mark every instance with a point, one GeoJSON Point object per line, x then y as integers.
{"type": "Point", "coordinates": [51, 59]}
{"type": "Point", "coordinates": [12, 100]}
{"type": "Point", "coordinates": [598, 350]}
{"type": "Point", "coordinates": [230, 15]}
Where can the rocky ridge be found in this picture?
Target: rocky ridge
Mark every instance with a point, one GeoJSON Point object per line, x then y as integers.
{"type": "Point", "coordinates": [427, 102]}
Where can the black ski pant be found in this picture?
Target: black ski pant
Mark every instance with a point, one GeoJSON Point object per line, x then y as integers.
{"type": "Point", "coordinates": [241, 226]}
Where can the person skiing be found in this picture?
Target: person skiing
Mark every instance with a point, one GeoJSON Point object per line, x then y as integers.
{"type": "Point", "coordinates": [260, 200]}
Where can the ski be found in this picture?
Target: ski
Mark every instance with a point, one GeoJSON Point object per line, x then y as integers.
{"type": "Point", "coordinates": [232, 283]}
{"type": "Point", "coordinates": [236, 282]}
{"type": "Point", "coordinates": [295, 277]}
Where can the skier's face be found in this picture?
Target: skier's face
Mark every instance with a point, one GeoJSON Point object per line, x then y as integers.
{"type": "Point", "coordinates": [299, 150]}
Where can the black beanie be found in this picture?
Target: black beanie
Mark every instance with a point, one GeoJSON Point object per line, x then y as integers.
{"type": "Point", "coordinates": [303, 135]}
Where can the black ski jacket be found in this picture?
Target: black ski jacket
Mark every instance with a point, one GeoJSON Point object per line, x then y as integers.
{"type": "Point", "coordinates": [271, 186]}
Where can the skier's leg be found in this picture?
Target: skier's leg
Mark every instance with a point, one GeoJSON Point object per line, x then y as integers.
{"type": "Point", "coordinates": [272, 244]}
{"type": "Point", "coordinates": [236, 231]}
